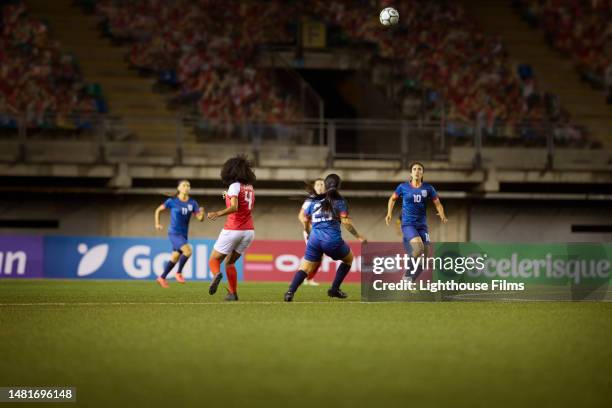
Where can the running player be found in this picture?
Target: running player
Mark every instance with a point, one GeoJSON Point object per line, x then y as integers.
{"type": "Point", "coordinates": [316, 188]}
{"type": "Point", "coordinates": [326, 214]}
{"type": "Point", "coordinates": [415, 195]}
{"type": "Point", "coordinates": [181, 207]}
{"type": "Point", "coordinates": [238, 231]}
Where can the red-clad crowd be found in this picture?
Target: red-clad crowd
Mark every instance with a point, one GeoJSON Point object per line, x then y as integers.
{"type": "Point", "coordinates": [208, 50]}
{"type": "Point", "coordinates": [444, 52]}
{"type": "Point", "coordinates": [36, 79]}
{"type": "Point", "coordinates": [210, 47]}
{"type": "Point", "coordinates": [580, 29]}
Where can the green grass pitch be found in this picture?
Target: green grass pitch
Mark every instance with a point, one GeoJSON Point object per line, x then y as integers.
{"type": "Point", "coordinates": [131, 342]}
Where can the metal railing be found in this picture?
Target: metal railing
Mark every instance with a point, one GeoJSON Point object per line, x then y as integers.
{"type": "Point", "coordinates": [193, 140]}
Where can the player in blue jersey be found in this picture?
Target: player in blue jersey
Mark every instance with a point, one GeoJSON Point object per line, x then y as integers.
{"type": "Point", "coordinates": [326, 212]}
{"type": "Point", "coordinates": [315, 188]}
{"type": "Point", "coordinates": [182, 208]}
{"type": "Point", "coordinates": [414, 195]}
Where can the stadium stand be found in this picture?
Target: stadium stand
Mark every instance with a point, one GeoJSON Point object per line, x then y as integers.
{"type": "Point", "coordinates": [557, 71]}
{"type": "Point", "coordinates": [457, 86]}
{"type": "Point", "coordinates": [582, 31]}
{"type": "Point", "coordinates": [129, 96]}
{"type": "Point", "coordinates": [40, 84]}
{"type": "Point", "coordinates": [505, 98]}
{"type": "Point", "coordinates": [461, 73]}
{"type": "Point", "coordinates": [212, 63]}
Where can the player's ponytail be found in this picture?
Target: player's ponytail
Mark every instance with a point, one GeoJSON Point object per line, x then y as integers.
{"type": "Point", "coordinates": [332, 184]}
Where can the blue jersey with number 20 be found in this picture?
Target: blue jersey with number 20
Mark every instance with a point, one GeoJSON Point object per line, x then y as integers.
{"type": "Point", "coordinates": [325, 225]}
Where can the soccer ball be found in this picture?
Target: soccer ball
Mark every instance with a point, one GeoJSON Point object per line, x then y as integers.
{"type": "Point", "coordinates": [389, 16]}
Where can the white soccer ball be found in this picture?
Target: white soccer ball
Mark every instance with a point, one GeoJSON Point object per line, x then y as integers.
{"type": "Point", "coordinates": [389, 16]}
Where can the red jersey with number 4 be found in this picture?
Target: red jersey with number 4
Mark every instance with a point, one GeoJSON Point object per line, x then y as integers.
{"type": "Point", "coordinates": [241, 219]}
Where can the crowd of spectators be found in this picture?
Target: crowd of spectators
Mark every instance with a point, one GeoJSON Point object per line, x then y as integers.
{"type": "Point", "coordinates": [38, 82]}
{"type": "Point", "coordinates": [463, 74]}
{"type": "Point", "coordinates": [581, 30]}
{"type": "Point", "coordinates": [207, 50]}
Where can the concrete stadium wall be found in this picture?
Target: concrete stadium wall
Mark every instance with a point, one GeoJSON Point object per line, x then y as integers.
{"type": "Point", "coordinates": [537, 221]}
{"type": "Point", "coordinates": [274, 217]}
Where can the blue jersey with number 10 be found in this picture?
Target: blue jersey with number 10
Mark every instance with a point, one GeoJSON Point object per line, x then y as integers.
{"type": "Point", "coordinates": [414, 202]}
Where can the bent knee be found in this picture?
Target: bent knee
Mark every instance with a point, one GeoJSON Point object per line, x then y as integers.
{"type": "Point", "coordinates": [309, 267]}
{"type": "Point", "coordinates": [348, 259]}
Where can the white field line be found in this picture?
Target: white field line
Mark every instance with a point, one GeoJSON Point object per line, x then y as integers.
{"type": "Point", "coordinates": [154, 303]}
{"type": "Point", "coordinates": [461, 300]}
{"type": "Point", "coordinates": [566, 292]}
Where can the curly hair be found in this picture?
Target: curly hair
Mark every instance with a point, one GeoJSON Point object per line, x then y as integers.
{"type": "Point", "coordinates": [238, 168]}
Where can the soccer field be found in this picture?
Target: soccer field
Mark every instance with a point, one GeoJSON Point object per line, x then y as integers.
{"type": "Point", "coordinates": [127, 342]}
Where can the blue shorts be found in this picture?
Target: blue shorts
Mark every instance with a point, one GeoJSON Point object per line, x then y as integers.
{"type": "Point", "coordinates": [177, 240]}
{"type": "Point", "coordinates": [334, 249]}
{"type": "Point", "coordinates": [411, 231]}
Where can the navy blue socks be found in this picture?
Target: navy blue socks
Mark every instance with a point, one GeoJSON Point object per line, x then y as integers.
{"type": "Point", "coordinates": [341, 272]}
{"type": "Point", "coordinates": [182, 260]}
{"type": "Point", "coordinates": [298, 278]}
{"type": "Point", "coordinates": [167, 269]}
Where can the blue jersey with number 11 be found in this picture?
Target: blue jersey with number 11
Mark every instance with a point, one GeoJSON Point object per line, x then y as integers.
{"type": "Point", "coordinates": [180, 214]}
{"type": "Point", "coordinates": [414, 202]}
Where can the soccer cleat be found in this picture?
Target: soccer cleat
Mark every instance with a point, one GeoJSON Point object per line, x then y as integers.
{"type": "Point", "coordinates": [336, 293]}
{"type": "Point", "coordinates": [162, 282]}
{"type": "Point", "coordinates": [231, 297]}
{"type": "Point", "coordinates": [179, 278]}
{"type": "Point", "coordinates": [289, 296]}
{"type": "Point", "coordinates": [311, 282]}
{"type": "Point", "coordinates": [214, 285]}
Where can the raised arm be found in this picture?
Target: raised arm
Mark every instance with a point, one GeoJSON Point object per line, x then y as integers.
{"type": "Point", "coordinates": [157, 212]}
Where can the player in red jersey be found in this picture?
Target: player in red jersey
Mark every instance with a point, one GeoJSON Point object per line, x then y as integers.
{"type": "Point", "coordinates": [238, 232]}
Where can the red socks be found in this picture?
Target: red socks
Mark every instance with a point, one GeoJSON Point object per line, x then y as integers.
{"type": "Point", "coordinates": [230, 270]}
{"type": "Point", "coordinates": [232, 277]}
{"type": "Point", "coordinates": [215, 266]}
